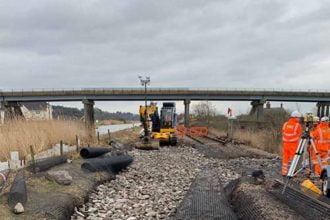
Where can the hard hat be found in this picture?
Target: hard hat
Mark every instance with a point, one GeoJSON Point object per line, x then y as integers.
{"type": "Point", "coordinates": [325, 118]}
{"type": "Point", "coordinates": [296, 114]}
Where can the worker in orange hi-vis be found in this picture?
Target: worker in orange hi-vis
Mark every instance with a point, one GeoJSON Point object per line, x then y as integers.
{"type": "Point", "coordinates": [321, 137]}
{"type": "Point", "coordinates": [291, 133]}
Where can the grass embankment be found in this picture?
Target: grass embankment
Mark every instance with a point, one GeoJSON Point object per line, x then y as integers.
{"type": "Point", "coordinates": [264, 135]}
{"type": "Point", "coordinates": [266, 140]}
{"type": "Point", "coordinates": [19, 135]}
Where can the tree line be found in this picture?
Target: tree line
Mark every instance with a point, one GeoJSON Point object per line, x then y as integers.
{"type": "Point", "coordinates": [77, 114]}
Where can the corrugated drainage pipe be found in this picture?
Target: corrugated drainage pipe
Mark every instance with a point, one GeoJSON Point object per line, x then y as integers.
{"type": "Point", "coordinates": [17, 192]}
{"type": "Point", "coordinates": [91, 152]}
{"type": "Point", "coordinates": [112, 164]}
{"type": "Point", "coordinates": [48, 163]}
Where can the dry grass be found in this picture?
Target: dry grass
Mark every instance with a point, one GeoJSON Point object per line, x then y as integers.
{"type": "Point", "coordinates": [19, 135]}
{"type": "Point", "coordinates": [216, 132]}
{"type": "Point", "coordinates": [267, 140]}
{"type": "Point", "coordinates": [126, 136]}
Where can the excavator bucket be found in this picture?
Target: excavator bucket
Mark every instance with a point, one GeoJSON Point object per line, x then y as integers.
{"type": "Point", "coordinates": [150, 145]}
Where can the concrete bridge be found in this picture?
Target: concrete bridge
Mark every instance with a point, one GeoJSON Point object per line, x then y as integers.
{"type": "Point", "coordinates": [11, 99]}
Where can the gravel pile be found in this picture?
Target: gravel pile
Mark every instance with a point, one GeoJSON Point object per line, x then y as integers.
{"type": "Point", "coordinates": [253, 201]}
{"type": "Point", "coordinates": [156, 183]}
{"type": "Point", "coordinates": [152, 187]}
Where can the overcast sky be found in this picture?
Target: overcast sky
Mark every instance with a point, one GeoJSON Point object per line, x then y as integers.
{"type": "Point", "coordinates": [204, 44]}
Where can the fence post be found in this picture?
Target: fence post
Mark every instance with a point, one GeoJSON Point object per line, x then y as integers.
{"type": "Point", "coordinates": [230, 128]}
{"type": "Point", "coordinates": [61, 148]}
{"type": "Point", "coordinates": [33, 159]}
{"type": "Point", "coordinates": [109, 135]}
{"type": "Point", "coordinates": [77, 143]}
{"type": "Point", "coordinates": [14, 162]}
{"type": "Point", "coordinates": [98, 137]}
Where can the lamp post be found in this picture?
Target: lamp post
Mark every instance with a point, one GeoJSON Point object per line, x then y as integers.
{"type": "Point", "coordinates": [145, 82]}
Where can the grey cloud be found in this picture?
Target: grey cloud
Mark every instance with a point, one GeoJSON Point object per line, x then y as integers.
{"type": "Point", "coordinates": [254, 44]}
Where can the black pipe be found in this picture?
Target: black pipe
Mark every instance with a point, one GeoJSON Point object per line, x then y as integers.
{"type": "Point", "coordinates": [93, 151]}
{"type": "Point", "coordinates": [48, 163]}
{"type": "Point", "coordinates": [17, 192]}
{"type": "Point", "coordinates": [112, 164]}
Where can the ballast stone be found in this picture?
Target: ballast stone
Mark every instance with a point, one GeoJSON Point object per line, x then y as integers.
{"type": "Point", "coordinates": [61, 177]}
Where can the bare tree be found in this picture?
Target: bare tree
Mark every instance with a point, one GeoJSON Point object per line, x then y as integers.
{"type": "Point", "coordinates": [204, 111]}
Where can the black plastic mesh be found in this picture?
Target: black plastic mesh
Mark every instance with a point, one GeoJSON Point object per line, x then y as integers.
{"type": "Point", "coordinates": [205, 200]}
{"type": "Point", "coordinates": [308, 207]}
{"type": "Point", "coordinates": [245, 208]}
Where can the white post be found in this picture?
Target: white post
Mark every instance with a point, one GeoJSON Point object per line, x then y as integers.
{"type": "Point", "coordinates": [14, 162]}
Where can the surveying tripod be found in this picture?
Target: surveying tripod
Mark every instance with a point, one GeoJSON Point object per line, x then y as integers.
{"type": "Point", "coordinates": [305, 142]}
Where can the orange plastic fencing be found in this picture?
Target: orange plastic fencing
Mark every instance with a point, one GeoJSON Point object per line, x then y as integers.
{"type": "Point", "coordinates": [181, 131]}
{"type": "Point", "coordinates": [198, 131]}
{"type": "Point", "coordinates": [192, 131]}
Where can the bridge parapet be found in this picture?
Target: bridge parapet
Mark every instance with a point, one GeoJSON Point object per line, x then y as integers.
{"type": "Point", "coordinates": [164, 94]}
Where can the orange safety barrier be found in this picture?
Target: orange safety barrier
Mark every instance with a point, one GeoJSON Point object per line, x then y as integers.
{"type": "Point", "coordinates": [198, 131]}
{"type": "Point", "coordinates": [181, 131]}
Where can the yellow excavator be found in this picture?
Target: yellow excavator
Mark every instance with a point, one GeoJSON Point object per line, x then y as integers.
{"type": "Point", "coordinates": [162, 127]}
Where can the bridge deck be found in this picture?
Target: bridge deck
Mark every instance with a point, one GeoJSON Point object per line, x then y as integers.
{"type": "Point", "coordinates": [165, 94]}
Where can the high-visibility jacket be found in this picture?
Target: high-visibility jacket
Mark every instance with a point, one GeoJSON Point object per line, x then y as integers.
{"type": "Point", "coordinates": [291, 131]}
{"type": "Point", "coordinates": [321, 136]}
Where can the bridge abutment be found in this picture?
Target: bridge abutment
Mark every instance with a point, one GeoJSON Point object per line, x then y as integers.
{"type": "Point", "coordinates": [12, 111]}
{"type": "Point", "coordinates": [186, 112]}
{"type": "Point", "coordinates": [89, 113]}
{"type": "Point", "coordinates": [257, 110]}
{"type": "Point", "coordinates": [323, 109]}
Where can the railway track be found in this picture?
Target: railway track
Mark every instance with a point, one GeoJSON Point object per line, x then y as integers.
{"type": "Point", "coordinates": [207, 139]}
{"type": "Point", "coordinates": [213, 147]}
{"type": "Point", "coordinates": [308, 206]}
{"type": "Point", "coordinates": [219, 148]}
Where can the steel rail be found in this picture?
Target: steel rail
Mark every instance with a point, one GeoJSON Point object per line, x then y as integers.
{"type": "Point", "coordinates": [310, 207]}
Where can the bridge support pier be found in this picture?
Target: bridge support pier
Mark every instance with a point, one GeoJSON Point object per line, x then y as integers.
{"type": "Point", "coordinates": [89, 113]}
{"type": "Point", "coordinates": [186, 112]}
{"type": "Point", "coordinates": [323, 109]}
{"type": "Point", "coordinates": [257, 109]}
{"type": "Point", "coordinates": [12, 111]}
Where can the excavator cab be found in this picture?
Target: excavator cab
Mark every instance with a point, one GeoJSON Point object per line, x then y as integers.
{"type": "Point", "coordinates": [168, 122]}
{"type": "Point", "coordinates": [163, 125]}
